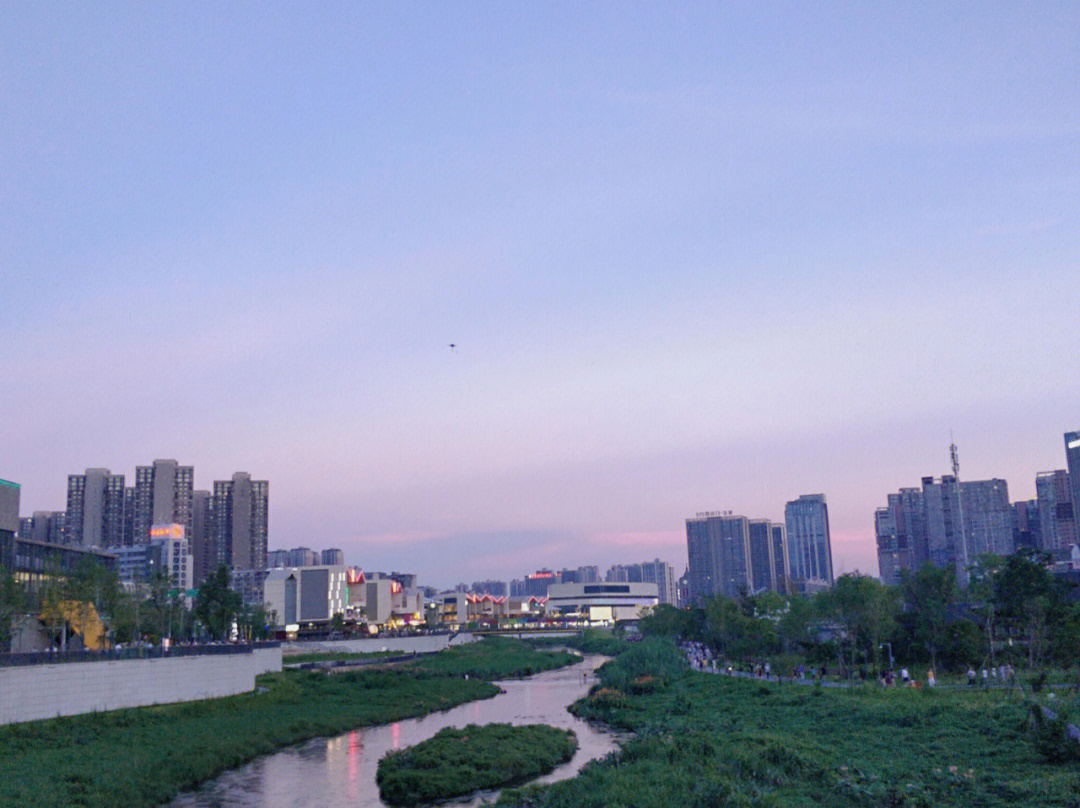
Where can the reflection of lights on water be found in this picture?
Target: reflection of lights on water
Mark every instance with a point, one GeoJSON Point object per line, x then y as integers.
{"type": "Point", "coordinates": [356, 752]}
{"type": "Point", "coordinates": [395, 733]}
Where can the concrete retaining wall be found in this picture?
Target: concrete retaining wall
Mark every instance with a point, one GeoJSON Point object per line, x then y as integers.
{"type": "Point", "coordinates": [267, 659]}
{"type": "Point", "coordinates": [46, 691]}
{"type": "Point", "coordinates": [427, 644]}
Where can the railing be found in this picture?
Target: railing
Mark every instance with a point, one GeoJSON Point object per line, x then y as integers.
{"type": "Point", "coordinates": [116, 654]}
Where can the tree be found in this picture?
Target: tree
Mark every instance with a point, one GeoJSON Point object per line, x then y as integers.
{"type": "Point", "coordinates": [982, 580]}
{"type": "Point", "coordinates": [793, 629]}
{"type": "Point", "coordinates": [927, 594]}
{"type": "Point", "coordinates": [865, 608]}
{"type": "Point", "coordinates": [1029, 599]}
{"type": "Point", "coordinates": [12, 603]}
{"type": "Point", "coordinates": [216, 605]}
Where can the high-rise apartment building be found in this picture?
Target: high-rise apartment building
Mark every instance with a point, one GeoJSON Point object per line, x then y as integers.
{"type": "Point", "coordinates": [241, 517]}
{"type": "Point", "coordinates": [762, 560]}
{"type": "Point", "coordinates": [781, 559]}
{"type": "Point", "coordinates": [163, 495]}
{"type": "Point", "coordinates": [1025, 519]}
{"type": "Point", "coordinates": [276, 559]}
{"type": "Point", "coordinates": [46, 526]}
{"type": "Point", "coordinates": [663, 575]}
{"type": "Point", "coordinates": [203, 549]}
{"type": "Point", "coordinates": [303, 557]}
{"type": "Point", "coordinates": [1057, 522]}
{"type": "Point", "coordinates": [809, 543]}
{"type": "Point", "coordinates": [494, 588]}
{"type": "Point", "coordinates": [332, 557]}
{"type": "Point", "coordinates": [718, 546]}
{"type": "Point", "coordinates": [1072, 463]}
{"type": "Point", "coordinates": [947, 523]}
{"type": "Point", "coordinates": [95, 509]}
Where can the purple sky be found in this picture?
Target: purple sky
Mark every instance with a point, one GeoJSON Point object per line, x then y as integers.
{"type": "Point", "coordinates": [694, 259]}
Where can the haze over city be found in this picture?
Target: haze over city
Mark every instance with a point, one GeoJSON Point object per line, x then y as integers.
{"type": "Point", "coordinates": [690, 259]}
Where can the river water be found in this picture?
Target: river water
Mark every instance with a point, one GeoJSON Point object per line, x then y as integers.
{"type": "Point", "coordinates": [339, 772]}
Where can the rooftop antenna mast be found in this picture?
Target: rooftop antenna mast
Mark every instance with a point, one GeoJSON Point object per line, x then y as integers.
{"type": "Point", "coordinates": [954, 460]}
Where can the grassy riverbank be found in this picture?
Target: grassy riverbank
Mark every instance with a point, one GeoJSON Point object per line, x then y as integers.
{"type": "Point", "coordinates": [456, 762]}
{"type": "Point", "coordinates": [707, 740]}
{"type": "Point", "coordinates": [493, 658]}
{"type": "Point", "coordinates": [144, 756]}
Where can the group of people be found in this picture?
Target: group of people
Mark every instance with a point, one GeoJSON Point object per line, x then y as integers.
{"type": "Point", "coordinates": [1006, 674]}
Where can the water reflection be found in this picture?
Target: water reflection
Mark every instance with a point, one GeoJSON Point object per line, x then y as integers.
{"type": "Point", "coordinates": [339, 772]}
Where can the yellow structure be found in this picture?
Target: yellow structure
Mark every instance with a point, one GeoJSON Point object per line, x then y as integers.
{"type": "Point", "coordinates": [82, 618]}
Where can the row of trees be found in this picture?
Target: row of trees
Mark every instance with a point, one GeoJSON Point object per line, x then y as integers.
{"type": "Point", "coordinates": [1014, 609]}
{"type": "Point", "coordinates": [146, 612]}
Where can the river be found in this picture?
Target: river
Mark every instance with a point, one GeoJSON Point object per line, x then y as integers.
{"type": "Point", "coordinates": [339, 772]}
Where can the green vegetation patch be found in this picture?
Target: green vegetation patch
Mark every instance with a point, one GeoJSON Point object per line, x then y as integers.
{"type": "Point", "coordinates": [494, 658]}
{"type": "Point", "coordinates": [340, 656]}
{"type": "Point", "coordinates": [145, 756]}
{"type": "Point", "coordinates": [705, 740]}
{"type": "Point", "coordinates": [460, 761]}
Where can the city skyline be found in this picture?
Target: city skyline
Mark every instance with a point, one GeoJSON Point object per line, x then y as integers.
{"type": "Point", "coordinates": [717, 258]}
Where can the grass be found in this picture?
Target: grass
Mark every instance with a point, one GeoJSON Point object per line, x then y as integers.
{"type": "Point", "coordinates": [339, 656]}
{"type": "Point", "coordinates": [456, 762]}
{"type": "Point", "coordinates": [704, 740]}
{"type": "Point", "coordinates": [142, 757]}
{"type": "Point", "coordinates": [493, 658]}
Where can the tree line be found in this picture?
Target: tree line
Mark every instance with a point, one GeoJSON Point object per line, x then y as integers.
{"type": "Point", "coordinates": [1012, 610]}
{"type": "Point", "coordinates": [129, 614]}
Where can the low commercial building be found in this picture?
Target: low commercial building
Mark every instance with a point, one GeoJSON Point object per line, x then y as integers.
{"type": "Point", "coordinates": [601, 604]}
{"type": "Point", "coordinates": [305, 595]}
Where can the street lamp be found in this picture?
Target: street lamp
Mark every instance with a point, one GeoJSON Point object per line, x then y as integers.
{"type": "Point", "coordinates": [892, 662]}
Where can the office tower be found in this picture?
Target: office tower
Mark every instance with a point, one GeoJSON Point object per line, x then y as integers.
{"type": "Point", "coordinates": [201, 544]}
{"type": "Point", "coordinates": [303, 557]}
{"type": "Point", "coordinates": [1025, 521]}
{"type": "Point", "coordinates": [95, 509]}
{"type": "Point", "coordinates": [663, 575]}
{"type": "Point", "coordinates": [163, 495]}
{"type": "Point", "coordinates": [809, 546]}
{"type": "Point", "coordinates": [241, 514]}
{"type": "Point", "coordinates": [536, 585]}
{"type": "Point", "coordinates": [1072, 463]}
{"type": "Point", "coordinates": [1057, 523]}
{"type": "Point", "coordinates": [276, 559]}
{"type": "Point", "coordinates": [332, 557]}
{"type": "Point", "coordinates": [762, 563]}
{"type": "Point", "coordinates": [517, 588]}
{"type": "Point", "coordinates": [718, 546]}
{"type": "Point", "coordinates": [26, 527]}
{"type": "Point", "coordinates": [781, 559]}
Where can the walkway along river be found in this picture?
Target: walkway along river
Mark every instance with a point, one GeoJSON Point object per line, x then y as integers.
{"type": "Point", "coordinates": [339, 772]}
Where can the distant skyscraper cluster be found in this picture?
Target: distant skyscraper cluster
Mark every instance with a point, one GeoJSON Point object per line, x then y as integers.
{"type": "Point", "coordinates": [732, 555]}
{"type": "Point", "coordinates": [226, 526]}
{"type": "Point", "coordinates": [950, 523]}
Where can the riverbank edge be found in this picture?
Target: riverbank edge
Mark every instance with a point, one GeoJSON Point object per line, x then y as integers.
{"type": "Point", "coordinates": [169, 750]}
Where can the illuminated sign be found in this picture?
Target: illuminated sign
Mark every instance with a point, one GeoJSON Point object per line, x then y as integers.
{"type": "Point", "coordinates": [1073, 443]}
{"type": "Point", "coordinates": [167, 532]}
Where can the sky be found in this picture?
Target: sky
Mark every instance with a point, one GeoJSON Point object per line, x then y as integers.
{"type": "Point", "coordinates": [692, 256]}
